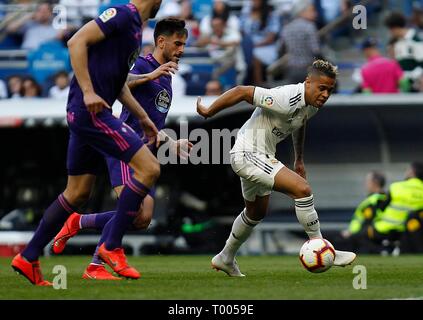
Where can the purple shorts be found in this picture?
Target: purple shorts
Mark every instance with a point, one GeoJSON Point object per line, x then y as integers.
{"type": "Point", "coordinates": [120, 172]}
{"type": "Point", "coordinates": [96, 136]}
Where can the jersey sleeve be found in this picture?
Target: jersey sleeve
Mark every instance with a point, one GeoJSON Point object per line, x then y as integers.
{"type": "Point", "coordinates": [138, 67]}
{"type": "Point", "coordinates": [114, 19]}
{"type": "Point", "coordinates": [275, 99]}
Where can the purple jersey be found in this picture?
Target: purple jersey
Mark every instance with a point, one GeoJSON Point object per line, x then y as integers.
{"type": "Point", "coordinates": [109, 60]}
{"type": "Point", "coordinates": [96, 135]}
{"type": "Point", "coordinates": [154, 96]}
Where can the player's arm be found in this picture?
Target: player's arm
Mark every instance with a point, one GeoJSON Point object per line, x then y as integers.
{"type": "Point", "coordinates": [298, 138]}
{"type": "Point", "coordinates": [226, 100]}
{"type": "Point", "coordinates": [181, 147]}
{"type": "Point", "coordinates": [133, 80]}
{"type": "Point", "coordinates": [78, 45]}
{"type": "Point", "coordinates": [128, 100]}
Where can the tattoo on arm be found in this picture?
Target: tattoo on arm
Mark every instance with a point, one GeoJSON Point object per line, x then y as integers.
{"type": "Point", "coordinates": [298, 138]}
{"type": "Point", "coordinates": [133, 79]}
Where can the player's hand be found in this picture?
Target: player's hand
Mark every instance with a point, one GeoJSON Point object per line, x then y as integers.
{"type": "Point", "coordinates": [165, 69]}
{"type": "Point", "coordinates": [150, 130]}
{"type": "Point", "coordinates": [202, 109]}
{"type": "Point", "coordinates": [300, 168]}
{"type": "Point", "coordinates": [95, 103]}
{"type": "Point", "coordinates": [183, 148]}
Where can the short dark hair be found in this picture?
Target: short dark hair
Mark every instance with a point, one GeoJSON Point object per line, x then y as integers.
{"type": "Point", "coordinates": [61, 73]}
{"type": "Point", "coordinates": [379, 178]}
{"type": "Point", "coordinates": [417, 168]}
{"type": "Point", "coordinates": [395, 20]}
{"type": "Point", "coordinates": [323, 67]}
{"type": "Point", "coordinates": [168, 27]}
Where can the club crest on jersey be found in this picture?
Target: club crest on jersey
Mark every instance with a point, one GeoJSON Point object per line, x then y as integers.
{"type": "Point", "coordinates": [163, 101]}
{"type": "Point", "coordinates": [267, 101]}
{"type": "Point", "coordinates": [108, 14]}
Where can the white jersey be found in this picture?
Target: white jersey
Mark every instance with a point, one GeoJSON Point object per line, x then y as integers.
{"type": "Point", "coordinates": [279, 112]}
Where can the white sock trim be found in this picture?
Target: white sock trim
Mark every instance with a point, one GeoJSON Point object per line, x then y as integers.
{"type": "Point", "coordinates": [249, 222]}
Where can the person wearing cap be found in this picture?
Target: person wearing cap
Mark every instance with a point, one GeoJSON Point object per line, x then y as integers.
{"type": "Point", "coordinates": [380, 74]}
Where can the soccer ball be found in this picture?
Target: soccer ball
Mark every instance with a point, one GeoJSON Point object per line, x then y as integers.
{"type": "Point", "coordinates": [317, 255]}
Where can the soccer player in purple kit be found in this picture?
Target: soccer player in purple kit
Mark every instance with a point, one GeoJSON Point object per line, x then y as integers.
{"type": "Point", "coordinates": [151, 84]}
{"type": "Point", "coordinates": [101, 53]}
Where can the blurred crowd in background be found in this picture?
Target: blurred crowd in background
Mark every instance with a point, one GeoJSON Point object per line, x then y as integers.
{"type": "Point", "coordinates": [258, 42]}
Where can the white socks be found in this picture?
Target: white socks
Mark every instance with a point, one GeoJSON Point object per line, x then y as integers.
{"type": "Point", "coordinates": [307, 216]}
{"type": "Point", "coordinates": [243, 226]}
{"type": "Point", "coordinates": [241, 230]}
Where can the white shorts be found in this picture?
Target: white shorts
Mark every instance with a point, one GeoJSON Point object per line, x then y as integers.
{"type": "Point", "coordinates": [257, 172]}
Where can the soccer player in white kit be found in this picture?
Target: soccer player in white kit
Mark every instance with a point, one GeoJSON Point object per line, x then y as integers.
{"type": "Point", "coordinates": [279, 112]}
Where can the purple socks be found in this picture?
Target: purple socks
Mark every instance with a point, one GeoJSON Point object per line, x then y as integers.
{"type": "Point", "coordinates": [129, 203]}
{"type": "Point", "coordinates": [96, 220]}
{"type": "Point", "coordinates": [51, 223]}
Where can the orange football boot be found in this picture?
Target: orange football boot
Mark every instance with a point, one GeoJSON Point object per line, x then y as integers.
{"type": "Point", "coordinates": [98, 272]}
{"type": "Point", "coordinates": [116, 259]}
{"type": "Point", "coordinates": [69, 229]}
{"type": "Point", "coordinates": [30, 270]}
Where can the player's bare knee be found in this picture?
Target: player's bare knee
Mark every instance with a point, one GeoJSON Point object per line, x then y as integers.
{"type": "Point", "coordinates": [77, 197]}
{"type": "Point", "coordinates": [155, 170]}
{"type": "Point", "coordinates": [255, 215]}
{"type": "Point", "coordinates": [142, 223]}
{"type": "Point", "coordinates": [303, 190]}
{"type": "Point", "coordinates": [148, 172]}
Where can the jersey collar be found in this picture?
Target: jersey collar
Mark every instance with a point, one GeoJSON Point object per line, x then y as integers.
{"type": "Point", "coordinates": [150, 58]}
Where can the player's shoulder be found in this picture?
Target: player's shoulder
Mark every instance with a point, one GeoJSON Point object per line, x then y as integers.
{"type": "Point", "coordinates": [116, 10]}
{"type": "Point", "coordinates": [291, 92]}
{"type": "Point", "coordinates": [140, 66]}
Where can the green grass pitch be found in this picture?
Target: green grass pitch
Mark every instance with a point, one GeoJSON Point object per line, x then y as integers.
{"type": "Point", "coordinates": [191, 277]}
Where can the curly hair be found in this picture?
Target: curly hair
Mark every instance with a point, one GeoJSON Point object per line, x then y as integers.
{"type": "Point", "coordinates": [324, 67]}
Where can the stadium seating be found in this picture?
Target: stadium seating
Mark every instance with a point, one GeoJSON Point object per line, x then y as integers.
{"type": "Point", "coordinates": [48, 59]}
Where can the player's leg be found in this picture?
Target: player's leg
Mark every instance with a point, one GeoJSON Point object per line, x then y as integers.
{"type": "Point", "coordinates": [242, 228]}
{"type": "Point", "coordinates": [295, 186]}
{"type": "Point", "coordinates": [82, 165]}
{"type": "Point", "coordinates": [142, 221]}
{"type": "Point", "coordinates": [146, 170]}
{"type": "Point", "coordinates": [76, 193]}
{"type": "Point", "coordinates": [256, 172]}
{"type": "Point", "coordinates": [119, 172]}
{"type": "Point", "coordinates": [292, 184]}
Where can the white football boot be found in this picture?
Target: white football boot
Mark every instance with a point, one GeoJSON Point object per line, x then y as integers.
{"type": "Point", "coordinates": [230, 269]}
{"type": "Point", "coordinates": [344, 258]}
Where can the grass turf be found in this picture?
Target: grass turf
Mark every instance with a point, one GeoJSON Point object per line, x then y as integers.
{"type": "Point", "coordinates": [190, 277]}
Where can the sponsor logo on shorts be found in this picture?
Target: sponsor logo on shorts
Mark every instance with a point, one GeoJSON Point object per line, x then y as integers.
{"type": "Point", "coordinates": [108, 14]}
{"type": "Point", "coordinates": [163, 101]}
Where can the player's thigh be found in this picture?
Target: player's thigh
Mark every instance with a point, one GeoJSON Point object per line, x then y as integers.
{"type": "Point", "coordinates": [257, 209]}
{"type": "Point", "coordinates": [257, 172]}
{"type": "Point", "coordinates": [292, 184]}
{"type": "Point", "coordinates": [255, 167]}
{"type": "Point", "coordinates": [82, 158]}
{"type": "Point", "coordinates": [112, 137]}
